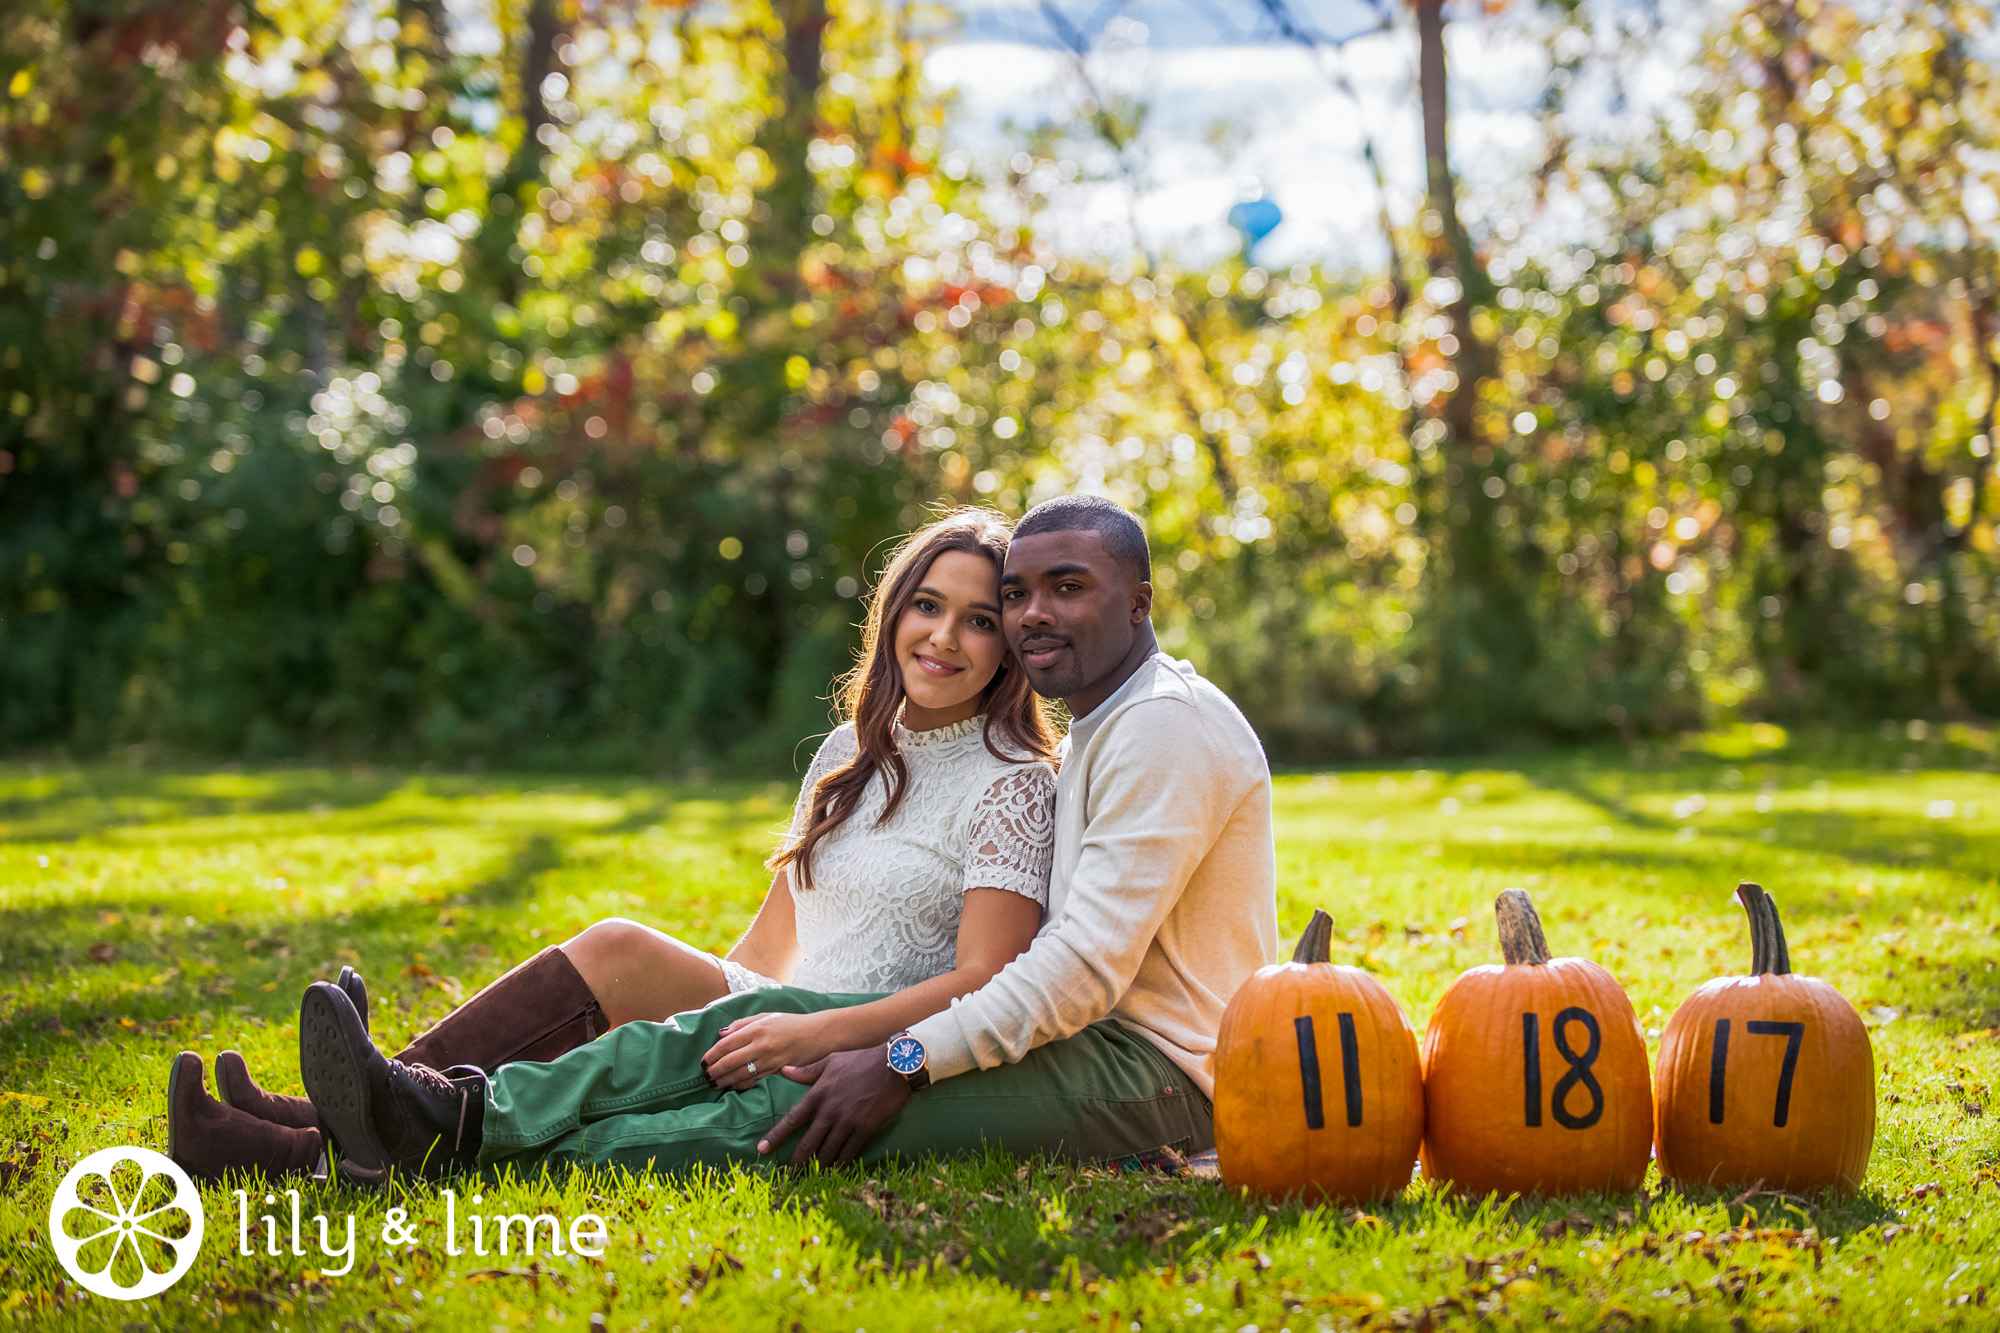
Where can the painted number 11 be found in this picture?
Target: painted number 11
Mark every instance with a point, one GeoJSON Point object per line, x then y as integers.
{"type": "Point", "coordinates": [1718, 1061]}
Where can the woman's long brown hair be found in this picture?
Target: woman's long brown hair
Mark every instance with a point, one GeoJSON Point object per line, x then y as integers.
{"type": "Point", "coordinates": [872, 693]}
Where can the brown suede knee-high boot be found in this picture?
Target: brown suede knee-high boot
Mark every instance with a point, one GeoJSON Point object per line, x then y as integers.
{"type": "Point", "coordinates": [537, 1011]}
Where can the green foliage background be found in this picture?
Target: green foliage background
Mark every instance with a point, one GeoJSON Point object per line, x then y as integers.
{"type": "Point", "coordinates": [545, 390]}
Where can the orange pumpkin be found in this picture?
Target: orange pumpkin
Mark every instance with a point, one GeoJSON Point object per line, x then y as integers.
{"type": "Point", "coordinates": [1767, 1078]}
{"type": "Point", "coordinates": [1317, 1087]}
{"type": "Point", "coordinates": [1535, 1077]}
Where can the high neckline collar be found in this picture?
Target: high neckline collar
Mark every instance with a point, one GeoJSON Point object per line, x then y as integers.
{"type": "Point", "coordinates": [946, 735]}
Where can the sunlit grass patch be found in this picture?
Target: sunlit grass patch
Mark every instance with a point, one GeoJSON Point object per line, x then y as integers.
{"type": "Point", "coordinates": [145, 912]}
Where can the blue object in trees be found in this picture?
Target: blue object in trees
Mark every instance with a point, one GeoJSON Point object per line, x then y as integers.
{"type": "Point", "coordinates": [1255, 219]}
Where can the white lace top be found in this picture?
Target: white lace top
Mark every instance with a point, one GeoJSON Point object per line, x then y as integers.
{"type": "Point", "coordinates": [883, 910]}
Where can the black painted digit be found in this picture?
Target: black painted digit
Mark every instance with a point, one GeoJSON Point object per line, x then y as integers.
{"type": "Point", "coordinates": [1718, 1067]}
{"type": "Point", "coordinates": [1350, 1068]}
{"type": "Point", "coordinates": [1579, 1070]}
{"type": "Point", "coordinates": [1309, 1071]}
{"type": "Point", "coordinates": [1531, 1069]}
{"type": "Point", "coordinates": [1578, 1075]}
{"type": "Point", "coordinates": [1794, 1035]}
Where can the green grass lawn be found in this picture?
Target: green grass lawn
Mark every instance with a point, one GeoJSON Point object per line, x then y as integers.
{"type": "Point", "coordinates": [145, 911]}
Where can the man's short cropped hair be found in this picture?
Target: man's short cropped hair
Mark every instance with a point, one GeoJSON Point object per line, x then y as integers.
{"type": "Point", "coordinates": [1120, 531]}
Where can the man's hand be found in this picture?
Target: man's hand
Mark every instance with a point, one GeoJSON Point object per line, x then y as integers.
{"type": "Point", "coordinates": [854, 1097]}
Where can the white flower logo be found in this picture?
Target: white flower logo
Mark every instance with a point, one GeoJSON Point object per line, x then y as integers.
{"type": "Point", "coordinates": [126, 1234]}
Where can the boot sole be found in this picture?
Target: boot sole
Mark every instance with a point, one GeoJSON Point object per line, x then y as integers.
{"type": "Point", "coordinates": [332, 1059]}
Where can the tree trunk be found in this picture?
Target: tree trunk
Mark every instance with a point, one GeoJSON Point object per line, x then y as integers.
{"type": "Point", "coordinates": [782, 226]}
{"type": "Point", "coordinates": [1484, 636]}
{"type": "Point", "coordinates": [500, 227]}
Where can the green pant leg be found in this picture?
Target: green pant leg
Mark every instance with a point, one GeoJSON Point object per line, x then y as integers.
{"type": "Point", "coordinates": [1103, 1093]}
{"type": "Point", "coordinates": [635, 1067]}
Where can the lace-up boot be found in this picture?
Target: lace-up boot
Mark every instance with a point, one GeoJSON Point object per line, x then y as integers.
{"type": "Point", "coordinates": [238, 1089]}
{"type": "Point", "coordinates": [384, 1115]}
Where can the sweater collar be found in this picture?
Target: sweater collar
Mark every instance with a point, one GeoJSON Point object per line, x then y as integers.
{"type": "Point", "coordinates": [935, 737]}
{"type": "Point", "coordinates": [1081, 727]}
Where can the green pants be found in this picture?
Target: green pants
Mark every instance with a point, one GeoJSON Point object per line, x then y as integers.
{"type": "Point", "coordinates": [637, 1097]}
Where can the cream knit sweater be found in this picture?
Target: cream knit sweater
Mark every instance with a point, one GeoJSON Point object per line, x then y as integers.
{"type": "Point", "coordinates": [1163, 898]}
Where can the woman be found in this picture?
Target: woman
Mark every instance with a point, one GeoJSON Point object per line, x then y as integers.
{"type": "Point", "coordinates": [917, 863]}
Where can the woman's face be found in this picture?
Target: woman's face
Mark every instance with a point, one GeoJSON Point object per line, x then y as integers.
{"type": "Point", "coordinates": [948, 641]}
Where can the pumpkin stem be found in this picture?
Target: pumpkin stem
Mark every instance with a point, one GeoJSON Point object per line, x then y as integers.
{"type": "Point", "coordinates": [1769, 954]}
{"type": "Point", "coordinates": [1316, 945]}
{"type": "Point", "coordinates": [1521, 939]}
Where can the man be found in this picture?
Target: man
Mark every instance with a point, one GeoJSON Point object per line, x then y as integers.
{"type": "Point", "coordinates": [1094, 1043]}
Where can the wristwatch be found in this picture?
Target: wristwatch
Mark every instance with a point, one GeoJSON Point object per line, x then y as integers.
{"type": "Point", "coordinates": [908, 1058]}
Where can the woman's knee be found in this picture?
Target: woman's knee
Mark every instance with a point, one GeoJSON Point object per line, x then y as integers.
{"type": "Point", "coordinates": [610, 942]}
{"type": "Point", "coordinates": [639, 972]}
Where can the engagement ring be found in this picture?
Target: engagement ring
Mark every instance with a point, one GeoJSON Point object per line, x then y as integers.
{"type": "Point", "coordinates": [750, 1068]}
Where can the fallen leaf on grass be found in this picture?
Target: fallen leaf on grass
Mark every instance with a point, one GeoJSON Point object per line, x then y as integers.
{"type": "Point", "coordinates": [533, 1272]}
{"type": "Point", "coordinates": [20, 1164]}
{"type": "Point", "coordinates": [878, 1201]}
{"type": "Point", "coordinates": [720, 1264]}
{"type": "Point", "coordinates": [1562, 1226]}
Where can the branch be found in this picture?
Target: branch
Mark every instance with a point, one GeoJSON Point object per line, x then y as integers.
{"type": "Point", "coordinates": [1336, 75]}
{"type": "Point", "coordinates": [1176, 355]}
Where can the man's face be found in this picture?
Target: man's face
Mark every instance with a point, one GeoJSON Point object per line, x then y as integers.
{"type": "Point", "coordinates": [1070, 612]}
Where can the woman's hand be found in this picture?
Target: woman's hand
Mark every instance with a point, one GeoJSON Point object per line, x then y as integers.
{"type": "Point", "coordinates": [763, 1044]}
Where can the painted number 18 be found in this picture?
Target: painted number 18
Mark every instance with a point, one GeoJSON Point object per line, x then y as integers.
{"type": "Point", "coordinates": [1579, 1075]}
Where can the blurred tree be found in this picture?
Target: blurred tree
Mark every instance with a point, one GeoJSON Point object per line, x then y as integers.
{"type": "Point", "coordinates": [541, 382]}
{"type": "Point", "coordinates": [101, 106]}
{"type": "Point", "coordinates": [1812, 293]}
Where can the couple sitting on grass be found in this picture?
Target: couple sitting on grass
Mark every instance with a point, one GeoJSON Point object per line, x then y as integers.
{"type": "Point", "coordinates": [961, 947]}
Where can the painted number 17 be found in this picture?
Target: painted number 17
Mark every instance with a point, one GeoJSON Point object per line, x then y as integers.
{"type": "Point", "coordinates": [1718, 1060]}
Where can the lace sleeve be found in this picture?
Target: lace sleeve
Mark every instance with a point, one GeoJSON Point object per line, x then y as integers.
{"type": "Point", "coordinates": [834, 751]}
{"type": "Point", "coordinates": [1010, 835]}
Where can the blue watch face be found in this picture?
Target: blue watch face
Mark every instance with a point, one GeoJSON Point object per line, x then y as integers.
{"type": "Point", "coordinates": [906, 1055]}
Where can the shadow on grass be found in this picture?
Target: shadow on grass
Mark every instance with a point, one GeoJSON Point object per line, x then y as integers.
{"type": "Point", "coordinates": [1036, 1223]}
{"type": "Point", "coordinates": [90, 802]}
{"type": "Point", "coordinates": [697, 819]}
{"type": "Point", "coordinates": [1568, 781]}
{"type": "Point", "coordinates": [77, 803]}
{"type": "Point", "coordinates": [260, 967]}
{"type": "Point", "coordinates": [1880, 841]}
{"type": "Point", "coordinates": [1027, 1222]}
